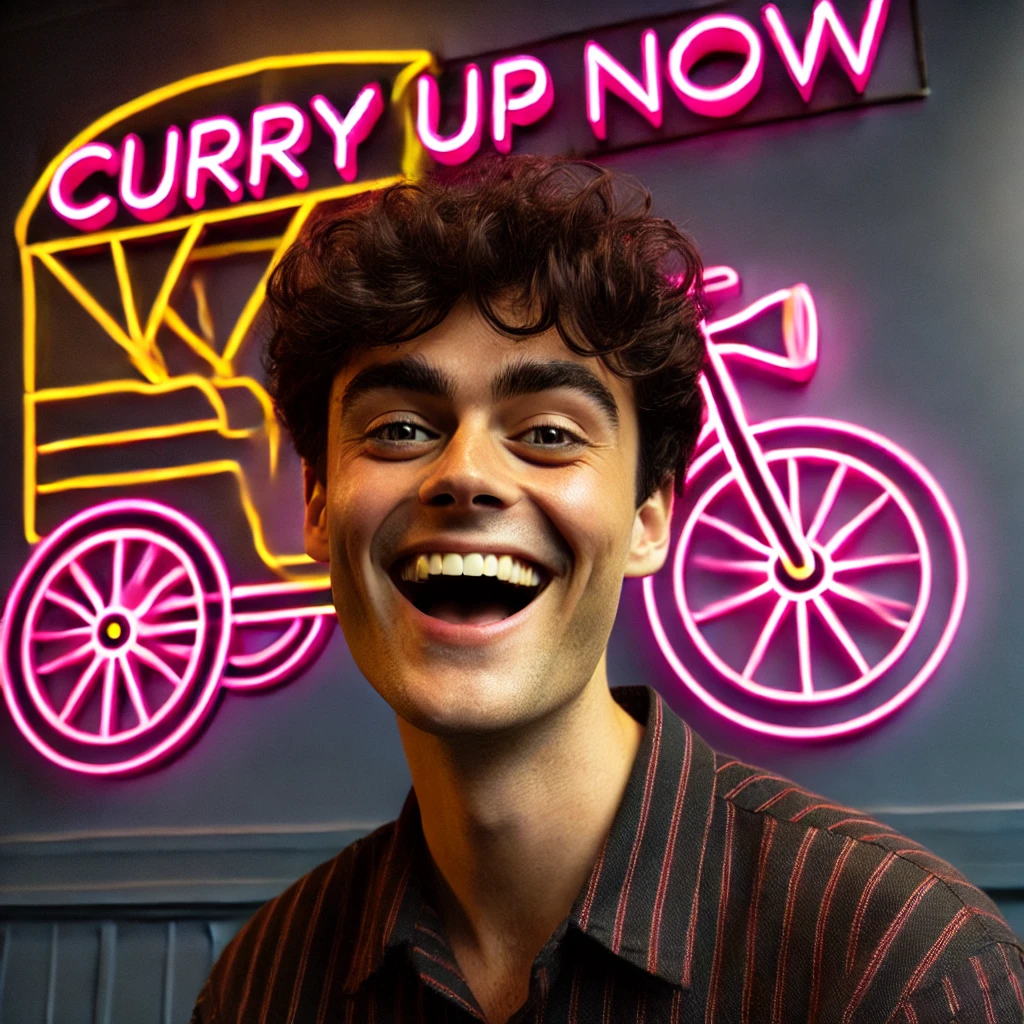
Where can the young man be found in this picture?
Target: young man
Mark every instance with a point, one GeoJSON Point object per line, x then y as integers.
{"type": "Point", "coordinates": [493, 384]}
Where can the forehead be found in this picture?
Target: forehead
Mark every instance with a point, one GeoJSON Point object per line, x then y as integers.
{"type": "Point", "coordinates": [472, 353]}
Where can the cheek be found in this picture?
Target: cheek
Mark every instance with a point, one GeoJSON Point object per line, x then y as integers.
{"type": "Point", "coordinates": [594, 515]}
{"type": "Point", "coordinates": [356, 505]}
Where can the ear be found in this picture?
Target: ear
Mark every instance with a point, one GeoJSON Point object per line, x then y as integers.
{"type": "Point", "coordinates": [314, 526]}
{"type": "Point", "coordinates": [652, 524]}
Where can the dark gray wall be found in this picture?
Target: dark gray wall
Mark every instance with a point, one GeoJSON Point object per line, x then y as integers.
{"type": "Point", "coordinates": [906, 221]}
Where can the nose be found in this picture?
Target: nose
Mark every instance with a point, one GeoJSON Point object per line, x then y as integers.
{"type": "Point", "coordinates": [471, 472]}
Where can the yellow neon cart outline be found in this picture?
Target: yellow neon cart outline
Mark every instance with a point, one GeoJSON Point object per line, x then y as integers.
{"type": "Point", "coordinates": [139, 340]}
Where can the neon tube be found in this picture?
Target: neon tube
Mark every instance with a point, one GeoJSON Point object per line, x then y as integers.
{"type": "Point", "coordinates": [267, 149]}
{"type": "Point", "coordinates": [463, 144]}
{"type": "Point", "coordinates": [96, 157]}
{"type": "Point", "coordinates": [602, 72]}
{"type": "Point", "coordinates": [350, 130]}
{"type": "Point", "coordinates": [204, 163]}
{"type": "Point", "coordinates": [518, 108]}
{"type": "Point", "coordinates": [164, 197]}
{"type": "Point", "coordinates": [717, 33]}
{"type": "Point", "coordinates": [856, 60]}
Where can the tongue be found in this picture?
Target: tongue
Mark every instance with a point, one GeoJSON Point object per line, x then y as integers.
{"type": "Point", "coordinates": [478, 615]}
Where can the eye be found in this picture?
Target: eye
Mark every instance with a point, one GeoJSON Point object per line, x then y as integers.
{"type": "Point", "coordinates": [550, 436]}
{"type": "Point", "coordinates": [401, 431]}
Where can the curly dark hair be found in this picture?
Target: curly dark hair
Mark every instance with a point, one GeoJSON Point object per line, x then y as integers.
{"type": "Point", "coordinates": [565, 244]}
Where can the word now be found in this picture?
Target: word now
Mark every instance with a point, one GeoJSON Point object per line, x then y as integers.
{"type": "Point", "coordinates": [217, 151]}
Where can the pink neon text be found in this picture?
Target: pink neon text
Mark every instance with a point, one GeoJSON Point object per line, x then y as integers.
{"type": "Point", "coordinates": [214, 153]}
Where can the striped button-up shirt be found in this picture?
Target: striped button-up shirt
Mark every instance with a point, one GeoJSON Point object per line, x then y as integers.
{"type": "Point", "coordinates": [722, 893]}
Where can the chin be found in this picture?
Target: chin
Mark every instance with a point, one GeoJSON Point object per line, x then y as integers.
{"type": "Point", "coordinates": [465, 700]}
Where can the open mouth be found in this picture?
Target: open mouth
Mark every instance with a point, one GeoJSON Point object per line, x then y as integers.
{"type": "Point", "coordinates": [468, 589]}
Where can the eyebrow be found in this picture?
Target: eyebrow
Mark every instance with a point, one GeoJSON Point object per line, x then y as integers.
{"type": "Point", "coordinates": [523, 377]}
{"type": "Point", "coordinates": [412, 373]}
{"type": "Point", "coordinates": [529, 376]}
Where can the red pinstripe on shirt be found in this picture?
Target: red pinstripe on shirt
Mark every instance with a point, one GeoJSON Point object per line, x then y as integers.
{"type": "Point", "coordinates": [787, 922]}
{"type": "Point", "coordinates": [990, 1014]}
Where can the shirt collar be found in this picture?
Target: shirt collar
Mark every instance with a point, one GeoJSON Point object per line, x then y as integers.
{"type": "Point", "coordinates": [640, 901]}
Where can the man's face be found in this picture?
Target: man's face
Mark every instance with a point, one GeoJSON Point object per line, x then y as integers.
{"type": "Point", "coordinates": [465, 443]}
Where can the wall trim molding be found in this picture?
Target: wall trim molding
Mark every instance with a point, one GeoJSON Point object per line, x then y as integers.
{"type": "Point", "coordinates": [249, 864]}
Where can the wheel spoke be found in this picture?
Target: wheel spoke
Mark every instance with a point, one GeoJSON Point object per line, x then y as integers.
{"type": "Point", "coordinates": [87, 586]}
{"type": "Point", "coordinates": [803, 646]}
{"type": "Point", "coordinates": [182, 651]}
{"type": "Point", "coordinates": [730, 604]}
{"type": "Point", "coordinates": [71, 604]}
{"type": "Point", "coordinates": [162, 585]}
{"type": "Point", "coordinates": [873, 603]}
{"type": "Point", "coordinates": [828, 499]}
{"type": "Point", "coordinates": [729, 565]}
{"type": "Point", "coordinates": [839, 631]}
{"type": "Point", "coordinates": [778, 613]}
{"type": "Point", "coordinates": [117, 571]}
{"type": "Point", "coordinates": [134, 693]}
{"type": "Point", "coordinates": [153, 660]}
{"type": "Point", "coordinates": [142, 569]}
{"type": "Point", "coordinates": [84, 683]}
{"type": "Point", "coordinates": [174, 604]}
{"type": "Point", "coordinates": [738, 535]}
{"type": "Point", "coordinates": [107, 709]}
{"type": "Point", "coordinates": [50, 635]}
{"type": "Point", "coordinates": [167, 628]}
{"type": "Point", "coordinates": [794, 492]}
{"type": "Point", "coordinates": [844, 533]}
{"type": "Point", "coordinates": [874, 562]}
{"type": "Point", "coordinates": [71, 658]}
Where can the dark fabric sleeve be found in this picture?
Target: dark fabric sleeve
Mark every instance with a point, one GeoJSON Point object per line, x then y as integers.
{"type": "Point", "coordinates": [985, 986]}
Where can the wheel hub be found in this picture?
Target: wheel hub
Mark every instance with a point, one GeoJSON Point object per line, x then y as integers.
{"type": "Point", "coordinates": [114, 631]}
{"type": "Point", "coordinates": [810, 584]}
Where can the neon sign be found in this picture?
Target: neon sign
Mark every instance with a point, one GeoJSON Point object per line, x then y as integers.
{"type": "Point", "coordinates": [819, 572]}
{"type": "Point", "coordinates": [220, 157]}
{"type": "Point", "coordinates": [125, 626]}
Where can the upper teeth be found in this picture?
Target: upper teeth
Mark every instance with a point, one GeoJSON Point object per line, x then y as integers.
{"type": "Point", "coordinates": [504, 567]}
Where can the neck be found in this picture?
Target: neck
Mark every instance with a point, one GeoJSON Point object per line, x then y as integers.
{"type": "Point", "coordinates": [515, 823]}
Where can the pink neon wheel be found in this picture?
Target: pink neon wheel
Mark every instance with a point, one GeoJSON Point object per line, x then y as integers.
{"type": "Point", "coordinates": [274, 652]}
{"type": "Point", "coordinates": [858, 638]}
{"type": "Point", "coordinates": [115, 637]}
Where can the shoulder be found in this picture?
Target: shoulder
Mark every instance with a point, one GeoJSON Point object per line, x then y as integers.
{"type": "Point", "coordinates": [288, 943]}
{"type": "Point", "coordinates": [886, 915]}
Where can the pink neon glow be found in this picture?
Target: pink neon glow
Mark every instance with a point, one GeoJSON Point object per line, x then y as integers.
{"type": "Point", "coordinates": [603, 72]}
{"type": "Point", "coordinates": [721, 281]}
{"type": "Point", "coordinates": [350, 130]}
{"type": "Point", "coordinates": [158, 203]}
{"type": "Point", "coordinates": [110, 614]}
{"type": "Point", "coordinates": [94, 158]}
{"type": "Point", "coordinates": [525, 107]}
{"type": "Point", "coordinates": [268, 653]}
{"type": "Point", "coordinates": [774, 519]}
{"type": "Point", "coordinates": [844, 583]}
{"type": "Point", "coordinates": [279, 131]}
{"type": "Point", "coordinates": [137, 651]}
{"type": "Point", "coordinates": [799, 333]}
{"type": "Point", "coordinates": [819, 597]}
{"type": "Point", "coordinates": [305, 639]}
{"type": "Point", "coordinates": [857, 60]}
{"type": "Point", "coordinates": [716, 33]}
{"type": "Point", "coordinates": [206, 161]}
{"type": "Point", "coordinates": [463, 144]}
